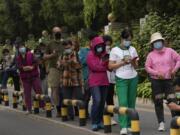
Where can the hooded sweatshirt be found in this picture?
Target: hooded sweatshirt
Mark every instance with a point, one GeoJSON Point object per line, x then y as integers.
{"type": "Point", "coordinates": [97, 67]}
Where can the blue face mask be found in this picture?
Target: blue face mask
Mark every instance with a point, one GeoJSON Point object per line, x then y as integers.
{"type": "Point", "coordinates": [127, 44]}
{"type": "Point", "coordinates": [158, 45]}
{"type": "Point", "coordinates": [99, 50]}
{"type": "Point", "coordinates": [22, 50]}
{"type": "Point", "coordinates": [68, 51]}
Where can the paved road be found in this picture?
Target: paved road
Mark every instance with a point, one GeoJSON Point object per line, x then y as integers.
{"type": "Point", "coordinates": [12, 123]}
{"type": "Point", "coordinates": [17, 123]}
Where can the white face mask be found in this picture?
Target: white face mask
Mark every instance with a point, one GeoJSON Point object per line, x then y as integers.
{"type": "Point", "coordinates": [108, 49]}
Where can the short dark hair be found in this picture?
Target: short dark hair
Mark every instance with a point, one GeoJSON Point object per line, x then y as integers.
{"type": "Point", "coordinates": [107, 38]}
{"type": "Point", "coordinates": [5, 51]}
{"type": "Point", "coordinates": [126, 33]}
{"type": "Point", "coordinates": [67, 42]}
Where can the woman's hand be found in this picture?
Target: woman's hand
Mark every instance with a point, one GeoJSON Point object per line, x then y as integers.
{"type": "Point", "coordinates": [28, 68]}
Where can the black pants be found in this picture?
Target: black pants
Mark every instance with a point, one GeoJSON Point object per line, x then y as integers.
{"type": "Point", "coordinates": [72, 93]}
{"type": "Point", "coordinates": [87, 96]}
{"type": "Point", "coordinates": [110, 95]}
{"type": "Point", "coordinates": [161, 89]}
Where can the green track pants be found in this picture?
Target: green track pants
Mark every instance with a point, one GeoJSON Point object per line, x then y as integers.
{"type": "Point", "coordinates": [126, 90]}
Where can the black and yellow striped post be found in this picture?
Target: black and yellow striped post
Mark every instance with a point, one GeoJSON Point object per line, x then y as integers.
{"type": "Point", "coordinates": [175, 126]}
{"type": "Point", "coordinates": [80, 105]}
{"type": "Point", "coordinates": [107, 118]}
{"type": "Point", "coordinates": [132, 113]}
{"type": "Point", "coordinates": [107, 122]}
{"type": "Point", "coordinates": [15, 104]}
{"type": "Point", "coordinates": [135, 124]}
{"type": "Point", "coordinates": [82, 111]}
{"type": "Point", "coordinates": [64, 110]}
{"type": "Point", "coordinates": [48, 107]}
{"type": "Point", "coordinates": [1, 97]}
{"type": "Point", "coordinates": [36, 105]}
{"type": "Point", "coordinates": [64, 113]}
{"type": "Point", "coordinates": [6, 98]}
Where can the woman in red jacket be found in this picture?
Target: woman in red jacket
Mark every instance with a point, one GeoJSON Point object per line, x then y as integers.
{"type": "Point", "coordinates": [98, 80]}
{"type": "Point", "coordinates": [29, 75]}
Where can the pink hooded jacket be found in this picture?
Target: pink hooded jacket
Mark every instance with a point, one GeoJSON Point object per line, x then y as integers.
{"type": "Point", "coordinates": [97, 67]}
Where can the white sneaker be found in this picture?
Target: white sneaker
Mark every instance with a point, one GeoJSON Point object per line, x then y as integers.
{"type": "Point", "coordinates": [161, 127]}
{"type": "Point", "coordinates": [124, 131]}
{"type": "Point", "coordinates": [113, 122]}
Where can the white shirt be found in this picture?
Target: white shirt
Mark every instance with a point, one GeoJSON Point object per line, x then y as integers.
{"type": "Point", "coordinates": [127, 71]}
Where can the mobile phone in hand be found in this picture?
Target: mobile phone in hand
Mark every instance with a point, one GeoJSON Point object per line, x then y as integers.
{"type": "Point", "coordinates": [105, 57]}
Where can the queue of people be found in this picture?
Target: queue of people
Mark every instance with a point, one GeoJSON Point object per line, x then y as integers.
{"type": "Point", "coordinates": [98, 71]}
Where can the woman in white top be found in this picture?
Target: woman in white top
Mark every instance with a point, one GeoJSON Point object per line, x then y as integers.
{"type": "Point", "coordinates": [124, 59]}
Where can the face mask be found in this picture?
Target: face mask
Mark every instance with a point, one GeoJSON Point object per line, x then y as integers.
{"type": "Point", "coordinates": [22, 50]}
{"type": "Point", "coordinates": [37, 56]}
{"type": "Point", "coordinates": [127, 44]}
{"type": "Point", "coordinates": [99, 49]}
{"type": "Point", "coordinates": [58, 35]}
{"type": "Point", "coordinates": [6, 57]}
{"type": "Point", "coordinates": [68, 51]}
{"type": "Point", "coordinates": [158, 45]}
{"type": "Point", "coordinates": [108, 49]}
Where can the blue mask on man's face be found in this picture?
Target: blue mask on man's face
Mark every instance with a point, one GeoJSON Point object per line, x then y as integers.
{"type": "Point", "coordinates": [158, 45]}
{"type": "Point", "coordinates": [127, 44]}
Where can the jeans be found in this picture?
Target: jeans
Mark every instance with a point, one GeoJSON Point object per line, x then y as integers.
{"type": "Point", "coordinates": [15, 77]}
{"type": "Point", "coordinates": [99, 94]}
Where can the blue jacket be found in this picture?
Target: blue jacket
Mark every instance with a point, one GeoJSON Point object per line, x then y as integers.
{"type": "Point", "coordinates": [83, 52]}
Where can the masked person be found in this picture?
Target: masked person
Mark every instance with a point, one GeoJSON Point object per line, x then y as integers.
{"type": "Point", "coordinates": [53, 51]}
{"type": "Point", "coordinates": [162, 64]}
{"type": "Point", "coordinates": [29, 75]}
{"type": "Point", "coordinates": [123, 60]}
{"type": "Point", "coordinates": [111, 76]}
{"type": "Point", "coordinates": [71, 78]}
{"type": "Point", "coordinates": [6, 62]}
{"type": "Point", "coordinates": [39, 53]}
{"type": "Point", "coordinates": [98, 80]}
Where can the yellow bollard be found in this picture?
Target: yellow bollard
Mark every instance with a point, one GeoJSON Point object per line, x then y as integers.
{"type": "Point", "coordinates": [1, 97]}
{"type": "Point", "coordinates": [48, 107]}
{"type": "Point", "coordinates": [107, 123]}
{"type": "Point", "coordinates": [15, 100]}
{"type": "Point", "coordinates": [36, 105]}
{"type": "Point", "coordinates": [64, 113]}
{"type": "Point", "coordinates": [6, 99]}
{"type": "Point", "coordinates": [82, 117]}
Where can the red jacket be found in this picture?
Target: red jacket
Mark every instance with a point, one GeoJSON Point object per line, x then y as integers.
{"type": "Point", "coordinates": [28, 61]}
{"type": "Point", "coordinates": [97, 67]}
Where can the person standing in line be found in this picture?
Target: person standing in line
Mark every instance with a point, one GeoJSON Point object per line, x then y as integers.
{"type": "Point", "coordinates": [124, 60]}
{"type": "Point", "coordinates": [98, 80]}
{"type": "Point", "coordinates": [53, 51]}
{"type": "Point", "coordinates": [83, 52]}
{"type": "Point", "coordinates": [161, 64]}
{"type": "Point", "coordinates": [111, 76]}
{"type": "Point", "coordinates": [29, 74]}
{"type": "Point", "coordinates": [71, 78]}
